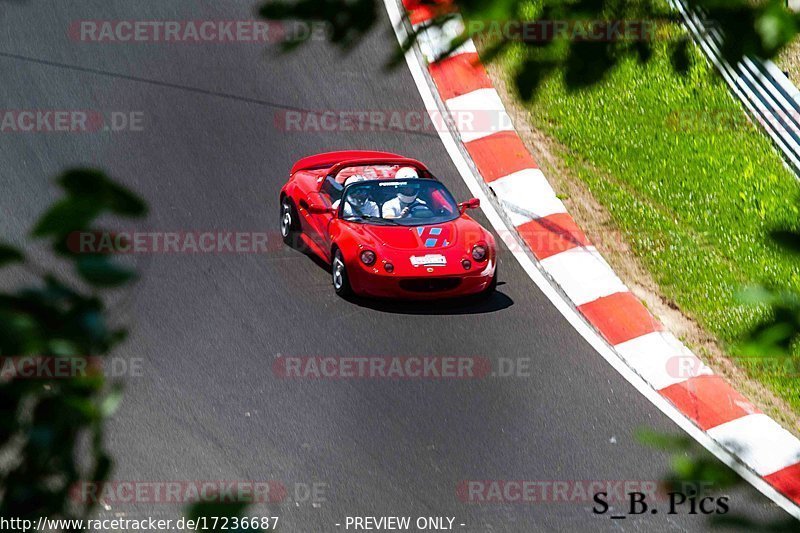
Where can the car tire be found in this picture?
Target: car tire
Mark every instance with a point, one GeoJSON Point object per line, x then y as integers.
{"type": "Point", "coordinates": [341, 283]}
{"type": "Point", "coordinates": [289, 222]}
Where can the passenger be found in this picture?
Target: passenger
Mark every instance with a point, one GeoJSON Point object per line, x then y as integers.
{"type": "Point", "coordinates": [358, 203]}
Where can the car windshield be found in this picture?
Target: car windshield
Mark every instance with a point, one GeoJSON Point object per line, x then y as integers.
{"type": "Point", "coordinates": [391, 202]}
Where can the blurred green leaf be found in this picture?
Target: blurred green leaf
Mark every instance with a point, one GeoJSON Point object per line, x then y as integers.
{"type": "Point", "coordinates": [71, 214]}
{"type": "Point", "coordinates": [662, 441]}
{"type": "Point", "coordinates": [95, 184]}
{"type": "Point", "coordinates": [348, 20]}
{"type": "Point", "coordinates": [111, 402]}
{"type": "Point", "coordinates": [48, 417]}
{"type": "Point", "coordinates": [102, 272]}
{"type": "Point", "coordinates": [9, 254]}
{"type": "Point", "coordinates": [776, 334]}
{"type": "Point", "coordinates": [775, 25]}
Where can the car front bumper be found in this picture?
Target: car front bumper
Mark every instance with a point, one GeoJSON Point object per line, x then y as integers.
{"type": "Point", "coordinates": [420, 284]}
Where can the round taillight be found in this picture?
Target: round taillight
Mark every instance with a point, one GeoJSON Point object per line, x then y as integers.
{"type": "Point", "coordinates": [466, 263]}
{"type": "Point", "coordinates": [388, 267]}
{"type": "Point", "coordinates": [368, 257]}
{"type": "Point", "coordinates": [479, 252]}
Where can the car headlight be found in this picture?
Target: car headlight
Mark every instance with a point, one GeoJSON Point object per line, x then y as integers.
{"type": "Point", "coordinates": [368, 257]}
{"type": "Point", "coordinates": [479, 252]}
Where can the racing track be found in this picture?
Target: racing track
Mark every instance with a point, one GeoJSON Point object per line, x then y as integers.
{"type": "Point", "coordinates": [208, 326]}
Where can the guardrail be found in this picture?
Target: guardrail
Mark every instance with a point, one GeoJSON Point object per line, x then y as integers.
{"type": "Point", "coordinates": [768, 95]}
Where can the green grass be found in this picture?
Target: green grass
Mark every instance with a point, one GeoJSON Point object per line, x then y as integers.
{"type": "Point", "coordinates": [695, 198]}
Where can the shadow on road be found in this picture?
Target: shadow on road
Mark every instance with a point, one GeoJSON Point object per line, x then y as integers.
{"type": "Point", "coordinates": [456, 306]}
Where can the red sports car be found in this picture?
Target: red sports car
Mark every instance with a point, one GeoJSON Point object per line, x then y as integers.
{"type": "Point", "coordinates": [387, 227]}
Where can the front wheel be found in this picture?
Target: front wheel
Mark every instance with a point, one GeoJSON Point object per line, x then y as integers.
{"type": "Point", "coordinates": [341, 283]}
{"type": "Point", "coordinates": [290, 223]}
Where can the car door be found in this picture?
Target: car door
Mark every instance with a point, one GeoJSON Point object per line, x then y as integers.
{"type": "Point", "coordinates": [318, 222]}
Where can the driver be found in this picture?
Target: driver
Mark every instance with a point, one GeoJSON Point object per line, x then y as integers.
{"type": "Point", "coordinates": [357, 202]}
{"type": "Point", "coordinates": [406, 200]}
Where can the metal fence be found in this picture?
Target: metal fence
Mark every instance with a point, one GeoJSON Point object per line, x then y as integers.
{"type": "Point", "coordinates": [768, 95]}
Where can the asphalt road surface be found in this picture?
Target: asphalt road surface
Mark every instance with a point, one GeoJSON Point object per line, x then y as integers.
{"type": "Point", "coordinates": [207, 327]}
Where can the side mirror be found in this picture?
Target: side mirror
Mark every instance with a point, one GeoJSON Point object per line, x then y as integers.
{"type": "Point", "coordinates": [472, 203]}
{"type": "Point", "coordinates": [318, 209]}
{"type": "Point", "coordinates": [316, 205]}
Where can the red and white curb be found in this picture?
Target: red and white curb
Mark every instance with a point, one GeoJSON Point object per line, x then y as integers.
{"type": "Point", "coordinates": [723, 420]}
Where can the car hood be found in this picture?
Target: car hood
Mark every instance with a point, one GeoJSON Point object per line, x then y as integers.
{"type": "Point", "coordinates": [424, 238]}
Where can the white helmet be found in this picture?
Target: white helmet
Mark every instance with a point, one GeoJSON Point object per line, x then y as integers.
{"type": "Point", "coordinates": [355, 178]}
{"type": "Point", "coordinates": [408, 194]}
{"type": "Point", "coordinates": [406, 173]}
{"type": "Point", "coordinates": [359, 196]}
